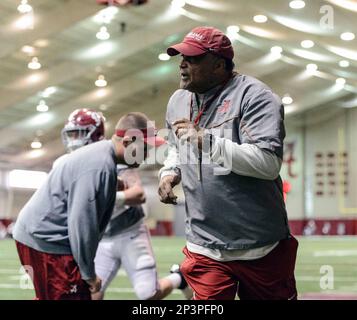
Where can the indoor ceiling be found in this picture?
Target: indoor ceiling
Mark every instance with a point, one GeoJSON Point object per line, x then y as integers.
{"type": "Point", "coordinates": [62, 35]}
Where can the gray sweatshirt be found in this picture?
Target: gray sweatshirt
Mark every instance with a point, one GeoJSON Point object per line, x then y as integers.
{"type": "Point", "coordinates": [229, 209]}
{"type": "Point", "coordinates": [70, 211]}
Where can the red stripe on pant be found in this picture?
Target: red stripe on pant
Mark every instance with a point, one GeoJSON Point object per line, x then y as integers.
{"type": "Point", "coordinates": [267, 278]}
{"type": "Point", "coordinates": [54, 276]}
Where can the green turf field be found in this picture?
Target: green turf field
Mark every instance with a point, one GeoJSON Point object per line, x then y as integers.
{"type": "Point", "coordinates": [339, 253]}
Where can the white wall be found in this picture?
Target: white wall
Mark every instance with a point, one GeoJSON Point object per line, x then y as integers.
{"type": "Point", "coordinates": [334, 135]}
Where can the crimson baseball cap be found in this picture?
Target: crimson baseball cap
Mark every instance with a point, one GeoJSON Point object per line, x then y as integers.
{"type": "Point", "coordinates": [201, 40]}
{"type": "Point", "coordinates": [148, 135]}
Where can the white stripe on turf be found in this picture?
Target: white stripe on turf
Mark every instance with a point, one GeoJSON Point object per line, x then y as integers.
{"type": "Point", "coordinates": [335, 253]}
{"type": "Point", "coordinates": [117, 290]}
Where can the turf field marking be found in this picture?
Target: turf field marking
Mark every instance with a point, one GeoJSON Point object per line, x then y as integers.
{"type": "Point", "coordinates": [335, 253]}
{"type": "Point", "coordinates": [116, 290]}
{"type": "Point", "coordinates": [317, 278]}
{"type": "Point", "coordinates": [9, 271]}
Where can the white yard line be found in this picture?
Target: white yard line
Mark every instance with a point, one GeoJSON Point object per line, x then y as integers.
{"type": "Point", "coordinates": [318, 278]}
{"type": "Point", "coordinates": [335, 253]}
{"type": "Point", "coordinates": [9, 271]}
{"type": "Point", "coordinates": [117, 290]}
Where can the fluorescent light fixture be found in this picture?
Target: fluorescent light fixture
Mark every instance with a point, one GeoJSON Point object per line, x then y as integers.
{"type": "Point", "coordinates": [312, 55]}
{"type": "Point", "coordinates": [260, 18]}
{"type": "Point", "coordinates": [311, 67]}
{"type": "Point", "coordinates": [347, 36]}
{"type": "Point", "coordinates": [34, 64]}
{"type": "Point", "coordinates": [287, 99]}
{"type": "Point", "coordinates": [345, 53]}
{"type": "Point", "coordinates": [26, 21]}
{"type": "Point", "coordinates": [106, 15]}
{"type": "Point", "coordinates": [233, 29]}
{"type": "Point", "coordinates": [101, 82]}
{"type": "Point", "coordinates": [36, 144]}
{"type": "Point", "coordinates": [178, 4]}
{"type": "Point", "coordinates": [34, 78]}
{"type": "Point", "coordinates": [297, 4]}
{"type": "Point", "coordinates": [232, 32]}
{"type": "Point", "coordinates": [39, 119]}
{"type": "Point", "coordinates": [49, 91]}
{"type": "Point", "coordinates": [341, 81]}
{"type": "Point", "coordinates": [26, 179]}
{"type": "Point", "coordinates": [103, 33]}
{"type": "Point", "coordinates": [307, 44]}
{"type": "Point", "coordinates": [98, 51]}
{"type": "Point", "coordinates": [100, 93]}
{"type": "Point", "coordinates": [35, 153]}
{"type": "Point", "coordinates": [24, 7]}
{"type": "Point", "coordinates": [301, 25]}
{"type": "Point", "coordinates": [164, 57]}
{"type": "Point", "coordinates": [276, 50]}
{"type": "Point", "coordinates": [42, 43]}
{"type": "Point", "coordinates": [110, 11]}
{"type": "Point", "coordinates": [344, 64]}
{"type": "Point", "coordinates": [260, 32]}
{"type": "Point", "coordinates": [42, 106]}
{"type": "Point", "coordinates": [28, 49]}
{"type": "Point", "coordinates": [346, 4]}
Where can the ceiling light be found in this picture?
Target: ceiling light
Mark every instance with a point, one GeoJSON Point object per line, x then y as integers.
{"type": "Point", "coordinates": [232, 32]}
{"type": "Point", "coordinates": [344, 64]}
{"type": "Point", "coordinates": [49, 91]}
{"type": "Point", "coordinates": [42, 106]}
{"type": "Point", "coordinates": [345, 53]}
{"type": "Point", "coordinates": [177, 4]}
{"type": "Point", "coordinates": [297, 4]}
{"type": "Point", "coordinates": [34, 64]}
{"type": "Point", "coordinates": [346, 4]}
{"type": "Point", "coordinates": [341, 81]}
{"type": "Point", "coordinates": [276, 50]}
{"type": "Point", "coordinates": [36, 144]}
{"type": "Point", "coordinates": [307, 44]}
{"type": "Point", "coordinates": [28, 49]}
{"type": "Point", "coordinates": [103, 33]}
{"type": "Point", "coordinates": [100, 50]}
{"type": "Point", "coordinates": [24, 7]}
{"type": "Point", "coordinates": [100, 93]}
{"type": "Point", "coordinates": [164, 57]}
{"type": "Point", "coordinates": [287, 100]}
{"type": "Point", "coordinates": [233, 29]}
{"type": "Point", "coordinates": [26, 21]}
{"type": "Point", "coordinates": [106, 15]}
{"type": "Point", "coordinates": [101, 82]}
{"type": "Point", "coordinates": [311, 67]}
{"type": "Point", "coordinates": [34, 78]}
{"type": "Point", "coordinates": [42, 43]}
{"type": "Point", "coordinates": [260, 18]}
{"type": "Point", "coordinates": [39, 119]}
{"type": "Point", "coordinates": [347, 36]}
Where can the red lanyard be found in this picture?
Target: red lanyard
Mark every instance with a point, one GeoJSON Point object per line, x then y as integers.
{"type": "Point", "coordinates": [206, 105]}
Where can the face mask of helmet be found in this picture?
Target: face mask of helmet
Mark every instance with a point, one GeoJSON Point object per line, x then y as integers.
{"type": "Point", "coordinates": [74, 139]}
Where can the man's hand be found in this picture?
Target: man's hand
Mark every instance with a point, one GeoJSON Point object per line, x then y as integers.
{"type": "Point", "coordinates": [165, 189]}
{"type": "Point", "coordinates": [134, 195]}
{"type": "Point", "coordinates": [94, 284]}
{"type": "Point", "coordinates": [186, 130]}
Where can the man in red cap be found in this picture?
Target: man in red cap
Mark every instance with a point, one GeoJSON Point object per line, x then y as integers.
{"type": "Point", "coordinates": [226, 145]}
